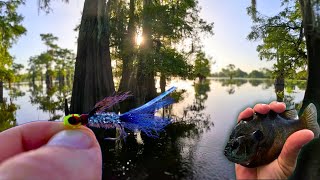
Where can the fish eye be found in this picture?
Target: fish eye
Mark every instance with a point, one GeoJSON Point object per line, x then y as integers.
{"type": "Point", "coordinates": [258, 135]}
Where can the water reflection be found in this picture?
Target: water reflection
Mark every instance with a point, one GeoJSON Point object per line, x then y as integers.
{"type": "Point", "coordinates": [255, 82]}
{"type": "Point", "coordinates": [228, 82]}
{"type": "Point", "coordinates": [194, 119]}
{"type": "Point", "coordinates": [285, 93]}
{"type": "Point", "coordinates": [191, 148]}
{"type": "Point", "coordinates": [15, 92]}
{"type": "Point", "coordinates": [201, 90]}
{"type": "Point", "coordinates": [8, 108]}
{"type": "Point", "coordinates": [231, 84]}
{"type": "Point", "coordinates": [7, 115]}
{"type": "Point", "coordinates": [50, 99]}
{"type": "Point", "coordinates": [171, 156]}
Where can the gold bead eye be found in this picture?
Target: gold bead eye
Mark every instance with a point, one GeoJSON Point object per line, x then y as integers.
{"type": "Point", "coordinates": [72, 121]}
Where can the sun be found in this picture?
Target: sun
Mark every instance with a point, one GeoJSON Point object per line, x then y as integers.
{"type": "Point", "coordinates": [139, 39]}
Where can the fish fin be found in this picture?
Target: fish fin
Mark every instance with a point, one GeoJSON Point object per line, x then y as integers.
{"type": "Point", "coordinates": [290, 114]}
{"type": "Point", "coordinates": [309, 118]}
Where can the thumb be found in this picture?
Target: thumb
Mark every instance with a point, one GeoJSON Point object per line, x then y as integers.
{"type": "Point", "coordinates": [290, 151]}
{"type": "Point", "coordinates": [70, 154]}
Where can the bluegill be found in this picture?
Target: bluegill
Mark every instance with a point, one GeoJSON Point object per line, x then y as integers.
{"type": "Point", "coordinates": [259, 141]}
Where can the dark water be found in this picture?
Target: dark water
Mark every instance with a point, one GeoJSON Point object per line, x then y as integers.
{"type": "Point", "coordinates": [190, 148]}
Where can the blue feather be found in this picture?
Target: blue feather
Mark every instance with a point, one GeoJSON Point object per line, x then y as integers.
{"type": "Point", "coordinates": [150, 125]}
{"type": "Point", "coordinates": [143, 118]}
{"type": "Point", "coordinates": [153, 104]}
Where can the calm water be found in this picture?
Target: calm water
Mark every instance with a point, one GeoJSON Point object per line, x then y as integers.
{"type": "Point", "coordinates": [191, 148]}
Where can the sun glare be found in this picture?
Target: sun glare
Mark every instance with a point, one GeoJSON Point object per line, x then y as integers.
{"type": "Point", "coordinates": [139, 39]}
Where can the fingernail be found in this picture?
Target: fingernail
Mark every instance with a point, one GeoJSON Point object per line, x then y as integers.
{"type": "Point", "coordinates": [71, 139]}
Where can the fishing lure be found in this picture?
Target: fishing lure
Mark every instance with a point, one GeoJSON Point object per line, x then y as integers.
{"type": "Point", "coordinates": [142, 118]}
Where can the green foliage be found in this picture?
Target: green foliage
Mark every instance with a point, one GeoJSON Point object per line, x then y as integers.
{"type": "Point", "coordinates": [54, 62]}
{"type": "Point", "coordinates": [282, 39]}
{"type": "Point", "coordinates": [50, 100]}
{"type": "Point", "coordinates": [119, 21]}
{"type": "Point", "coordinates": [202, 65]}
{"type": "Point", "coordinates": [262, 73]}
{"type": "Point", "coordinates": [17, 67]}
{"type": "Point", "coordinates": [44, 5]}
{"type": "Point", "coordinates": [302, 75]}
{"type": "Point", "coordinates": [64, 67]}
{"type": "Point", "coordinates": [177, 19]}
{"type": "Point", "coordinates": [10, 30]}
{"type": "Point", "coordinates": [35, 68]}
{"type": "Point", "coordinates": [229, 71]}
{"type": "Point", "coordinates": [7, 118]}
{"type": "Point", "coordinates": [240, 73]}
{"type": "Point", "coordinates": [168, 22]}
{"type": "Point", "coordinates": [174, 21]}
{"type": "Point", "coordinates": [49, 40]}
{"type": "Point", "coordinates": [15, 70]}
{"type": "Point", "coordinates": [170, 62]}
{"type": "Point", "coordinates": [267, 73]}
{"type": "Point", "coordinates": [256, 74]}
{"type": "Point", "coordinates": [7, 75]}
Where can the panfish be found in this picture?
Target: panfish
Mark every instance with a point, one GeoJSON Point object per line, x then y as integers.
{"type": "Point", "coordinates": [259, 141]}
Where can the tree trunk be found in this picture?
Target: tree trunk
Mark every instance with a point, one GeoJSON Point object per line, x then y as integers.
{"type": "Point", "coordinates": [49, 81]}
{"type": "Point", "coordinates": [145, 76]}
{"type": "Point", "coordinates": [61, 79]}
{"type": "Point", "coordinates": [93, 72]}
{"type": "Point", "coordinates": [279, 87]}
{"type": "Point", "coordinates": [312, 94]}
{"type": "Point", "coordinates": [33, 78]}
{"type": "Point", "coordinates": [163, 83]}
{"type": "Point", "coordinates": [309, 159]}
{"type": "Point", "coordinates": [1, 92]}
{"type": "Point", "coordinates": [129, 44]}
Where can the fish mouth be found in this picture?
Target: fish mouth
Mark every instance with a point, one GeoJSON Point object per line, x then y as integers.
{"type": "Point", "coordinates": [243, 160]}
{"type": "Point", "coordinates": [232, 158]}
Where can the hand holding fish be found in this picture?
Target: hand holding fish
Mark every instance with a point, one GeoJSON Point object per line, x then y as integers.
{"type": "Point", "coordinates": [284, 165]}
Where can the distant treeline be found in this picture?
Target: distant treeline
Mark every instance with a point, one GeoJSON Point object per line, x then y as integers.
{"type": "Point", "coordinates": [231, 72]}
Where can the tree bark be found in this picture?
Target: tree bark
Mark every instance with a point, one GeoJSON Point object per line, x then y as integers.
{"type": "Point", "coordinates": [163, 83]}
{"type": "Point", "coordinates": [279, 84]}
{"type": "Point", "coordinates": [1, 92]}
{"type": "Point", "coordinates": [309, 158]}
{"type": "Point", "coordinates": [49, 79]}
{"type": "Point", "coordinates": [93, 72]}
{"type": "Point", "coordinates": [33, 78]}
{"type": "Point", "coordinates": [312, 32]}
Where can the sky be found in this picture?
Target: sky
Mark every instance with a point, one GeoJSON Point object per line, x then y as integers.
{"type": "Point", "coordinates": [228, 45]}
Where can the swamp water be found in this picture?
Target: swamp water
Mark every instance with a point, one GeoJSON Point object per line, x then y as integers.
{"type": "Point", "coordinates": [190, 148]}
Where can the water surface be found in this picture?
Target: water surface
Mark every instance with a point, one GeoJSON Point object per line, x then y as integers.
{"type": "Point", "coordinates": [191, 148]}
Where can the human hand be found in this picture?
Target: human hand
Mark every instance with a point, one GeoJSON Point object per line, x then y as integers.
{"type": "Point", "coordinates": [46, 150]}
{"type": "Point", "coordinates": [284, 165]}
